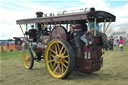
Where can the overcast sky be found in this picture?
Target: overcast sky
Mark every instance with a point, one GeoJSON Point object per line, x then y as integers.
{"type": "Point", "coordinates": [12, 10]}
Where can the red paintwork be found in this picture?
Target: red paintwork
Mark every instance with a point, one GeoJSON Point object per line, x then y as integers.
{"type": "Point", "coordinates": [87, 65]}
{"type": "Point", "coordinates": [93, 64]}
{"type": "Point", "coordinates": [41, 48]}
{"type": "Point", "coordinates": [58, 32]}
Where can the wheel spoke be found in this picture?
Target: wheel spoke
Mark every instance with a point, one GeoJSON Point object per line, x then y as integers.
{"type": "Point", "coordinates": [65, 57]}
{"type": "Point", "coordinates": [27, 59]}
{"type": "Point", "coordinates": [64, 52]}
{"type": "Point", "coordinates": [54, 65]}
{"type": "Point", "coordinates": [61, 49]}
{"type": "Point", "coordinates": [58, 46]}
{"type": "Point", "coordinates": [28, 63]}
{"type": "Point", "coordinates": [64, 65]}
{"type": "Point", "coordinates": [66, 61]}
{"type": "Point", "coordinates": [52, 51]}
{"type": "Point", "coordinates": [56, 68]}
{"type": "Point", "coordinates": [59, 69]}
{"type": "Point", "coordinates": [62, 68]}
{"type": "Point", "coordinates": [56, 50]}
{"type": "Point", "coordinates": [52, 56]}
{"type": "Point", "coordinates": [50, 61]}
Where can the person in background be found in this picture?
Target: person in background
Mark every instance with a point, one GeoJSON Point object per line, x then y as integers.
{"type": "Point", "coordinates": [18, 45]}
{"type": "Point", "coordinates": [111, 42]}
{"type": "Point", "coordinates": [117, 42]}
{"type": "Point", "coordinates": [2, 46]}
{"type": "Point", "coordinates": [121, 42]}
{"type": "Point", "coordinates": [23, 46]}
{"type": "Point", "coordinates": [7, 45]}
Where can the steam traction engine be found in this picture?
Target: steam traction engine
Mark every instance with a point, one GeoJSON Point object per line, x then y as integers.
{"type": "Point", "coordinates": [50, 39]}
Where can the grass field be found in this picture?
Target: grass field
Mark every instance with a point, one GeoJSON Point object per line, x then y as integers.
{"type": "Point", "coordinates": [113, 72]}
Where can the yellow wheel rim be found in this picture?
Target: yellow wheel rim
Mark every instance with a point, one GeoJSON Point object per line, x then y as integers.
{"type": "Point", "coordinates": [26, 59]}
{"type": "Point", "coordinates": [56, 59]}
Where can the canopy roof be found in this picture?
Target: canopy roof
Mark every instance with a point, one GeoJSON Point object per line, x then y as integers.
{"type": "Point", "coordinates": [99, 15]}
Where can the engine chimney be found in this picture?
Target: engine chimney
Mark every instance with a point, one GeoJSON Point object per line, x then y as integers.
{"type": "Point", "coordinates": [38, 25]}
{"type": "Point", "coordinates": [39, 14]}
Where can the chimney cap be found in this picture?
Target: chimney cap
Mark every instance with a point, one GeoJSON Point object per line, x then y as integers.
{"type": "Point", "coordinates": [39, 14]}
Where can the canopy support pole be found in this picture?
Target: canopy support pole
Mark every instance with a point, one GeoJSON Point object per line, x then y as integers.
{"type": "Point", "coordinates": [26, 30]}
{"type": "Point", "coordinates": [60, 23]}
{"type": "Point", "coordinates": [104, 25]}
{"type": "Point", "coordinates": [45, 26]}
{"type": "Point", "coordinates": [50, 27]}
{"type": "Point", "coordinates": [88, 25]}
{"type": "Point", "coordinates": [22, 30]}
{"type": "Point", "coordinates": [95, 27]}
{"type": "Point", "coordinates": [108, 25]}
{"type": "Point", "coordinates": [55, 24]}
{"type": "Point", "coordinates": [67, 26]}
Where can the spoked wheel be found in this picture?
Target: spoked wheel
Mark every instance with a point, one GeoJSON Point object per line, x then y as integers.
{"type": "Point", "coordinates": [28, 59]}
{"type": "Point", "coordinates": [59, 58]}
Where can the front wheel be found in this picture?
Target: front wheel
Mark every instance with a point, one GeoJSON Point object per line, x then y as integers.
{"type": "Point", "coordinates": [28, 59]}
{"type": "Point", "coordinates": [59, 58]}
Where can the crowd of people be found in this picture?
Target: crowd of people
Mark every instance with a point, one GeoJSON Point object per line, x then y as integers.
{"type": "Point", "coordinates": [117, 42]}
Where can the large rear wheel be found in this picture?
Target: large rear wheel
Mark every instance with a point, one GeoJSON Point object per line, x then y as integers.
{"type": "Point", "coordinates": [28, 59]}
{"type": "Point", "coordinates": [59, 58]}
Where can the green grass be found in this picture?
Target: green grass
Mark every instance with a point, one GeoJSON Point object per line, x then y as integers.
{"type": "Point", "coordinates": [11, 55]}
{"type": "Point", "coordinates": [113, 72]}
